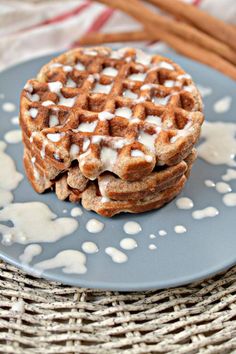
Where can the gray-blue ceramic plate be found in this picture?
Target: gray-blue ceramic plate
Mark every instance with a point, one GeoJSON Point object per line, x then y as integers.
{"type": "Point", "coordinates": [206, 248]}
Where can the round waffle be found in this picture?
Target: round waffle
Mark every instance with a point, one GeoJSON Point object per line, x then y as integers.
{"type": "Point", "coordinates": [124, 112]}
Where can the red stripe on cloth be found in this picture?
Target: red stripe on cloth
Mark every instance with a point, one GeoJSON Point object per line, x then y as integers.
{"type": "Point", "coordinates": [101, 20]}
{"type": "Point", "coordinates": [196, 2]}
{"type": "Point", "coordinates": [59, 18]}
{"type": "Point", "coordinates": [66, 15]}
{"type": "Point", "coordinates": [98, 23]}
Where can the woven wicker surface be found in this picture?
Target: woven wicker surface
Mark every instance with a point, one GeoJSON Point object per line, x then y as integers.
{"type": "Point", "coordinates": [53, 318]}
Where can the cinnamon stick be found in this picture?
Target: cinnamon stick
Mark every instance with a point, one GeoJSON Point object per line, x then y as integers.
{"type": "Point", "coordinates": [201, 19]}
{"type": "Point", "coordinates": [155, 22]}
{"type": "Point", "coordinates": [99, 38]}
{"type": "Point", "coordinates": [188, 49]}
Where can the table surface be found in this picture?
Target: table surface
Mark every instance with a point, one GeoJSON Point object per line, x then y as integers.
{"type": "Point", "coordinates": [37, 316]}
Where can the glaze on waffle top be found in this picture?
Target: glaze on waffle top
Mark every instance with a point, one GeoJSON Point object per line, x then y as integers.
{"type": "Point", "coordinates": [121, 111]}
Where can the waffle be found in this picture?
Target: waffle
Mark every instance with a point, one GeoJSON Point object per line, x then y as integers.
{"type": "Point", "coordinates": [123, 112]}
{"type": "Point", "coordinates": [114, 129]}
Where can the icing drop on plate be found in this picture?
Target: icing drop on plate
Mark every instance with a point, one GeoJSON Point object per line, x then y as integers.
{"type": "Point", "coordinates": [180, 229]}
{"type": "Point", "coordinates": [9, 177]}
{"type": "Point", "coordinates": [42, 226]}
{"type": "Point", "coordinates": [89, 247]}
{"type": "Point", "coordinates": [8, 107]}
{"type": "Point", "coordinates": [223, 105]}
{"type": "Point", "coordinates": [132, 227]}
{"type": "Point", "coordinates": [208, 212]}
{"type": "Point", "coordinates": [184, 203]}
{"type": "Point", "coordinates": [229, 199]}
{"type": "Point", "coordinates": [15, 120]}
{"type": "Point", "coordinates": [219, 146]}
{"type": "Point", "coordinates": [230, 174]}
{"type": "Point", "coordinates": [209, 183]}
{"type": "Point", "coordinates": [152, 236]}
{"type": "Point", "coordinates": [116, 255]}
{"type": "Point", "coordinates": [204, 91]}
{"type": "Point", "coordinates": [128, 243]}
{"type": "Point", "coordinates": [13, 136]}
{"type": "Point", "coordinates": [152, 247]}
{"type": "Point", "coordinates": [76, 211]}
{"type": "Point", "coordinates": [94, 226]}
{"type": "Point", "coordinates": [223, 187]}
{"type": "Point", "coordinates": [71, 262]}
{"type": "Point", "coordinates": [162, 232]}
{"type": "Point", "coordinates": [30, 252]}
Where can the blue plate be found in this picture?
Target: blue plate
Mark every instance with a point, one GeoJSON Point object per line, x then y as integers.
{"type": "Point", "coordinates": [206, 248]}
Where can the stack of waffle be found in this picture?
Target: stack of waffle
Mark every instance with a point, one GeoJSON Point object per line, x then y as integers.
{"type": "Point", "coordinates": [114, 129]}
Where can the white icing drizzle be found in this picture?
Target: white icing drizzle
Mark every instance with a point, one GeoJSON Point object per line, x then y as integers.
{"type": "Point", "coordinates": [56, 87]}
{"type": "Point", "coordinates": [33, 112]}
{"type": "Point", "coordinates": [87, 126]}
{"type": "Point", "coordinates": [204, 91]}
{"type": "Point", "coordinates": [209, 183]}
{"type": "Point", "coordinates": [18, 306]}
{"type": "Point", "coordinates": [184, 203]}
{"type": "Point", "coordinates": [180, 229]}
{"type": "Point", "coordinates": [165, 65]}
{"type": "Point", "coordinates": [76, 211]}
{"type": "Point", "coordinates": [99, 88]}
{"type": "Point", "coordinates": [89, 247]}
{"type": "Point", "coordinates": [13, 136]}
{"type": "Point", "coordinates": [132, 227]}
{"type": "Point", "coordinates": [125, 112]}
{"type": "Point", "coordinates": [110, 71]}
{"type": "Point", "coordinates": [223, 187]}
{"type": "Point", "coordinates": [230, 174]}
{"type": "Point", "coordinates": [147, 139]}
{"type": "Point", "coordinates": [86, 144]}
{"type": "Point", "coordinates": [108, 158]}
{"type": "Point", "coordinates": [219, 146]}
{"type": "Point", "coordinates": [229, 199]}
{"type": "Point", "coordinates": [94, 226]}
{"type": "Point", "coordinates": [152, 247]}
{"type": "Point", "coordinates": [105, 115]}
{"type": "Point", "coordinates": [9, 177]}
{"type": "Point", "coordinates": [154, 120]}
{"type": "Point", "coordinates": [30, 252]}
{"type": "Point", "coordinates": [162, 232]}
{"type": "Point", "coordinates": [42, 226]}
{"type": "Point", "coordinates": [182, 132]}
{"type": "Point", "coordinates": [71, 262]}
{"type": "Point", "coordinates": [161, 100]}
{"type": "Point", "coordinates": [137, 76]}
{"type": "Point", "coordinates": [53, 120]}
{"type": "Point", "coordinates": [137, 153]}
{"type": "Point", "coordinates": [47, 103]}
{"type": "Point", "coordinates": [169, 83]}
{"type": "Point", "coordinates": [15, 120]}
{"type": "Point", "coordinates": [128, 243]}
{"type": "Point", "coordinates": [79, 66]}
{"type": "Point", "coordinates": [8, 107]}
{"type": "Point", "coordinates": [208, 212]}
{"type": "Point", "coordinates": [70, 83]}
{"type": "Point", "coordinates": [130, 94]}
{"type": "Point", "coordinates": [74, 150]}
{"type": "Point", "coordinates": [36, 173]}
{"type": "Point", "coordinates": [116, 255]}
{"type": "Point", "coordinates": [142, 57]}
{"type": "Point", "coordinates": [223, 105]}
{"type": "Point", "coordinates": [54, 137]}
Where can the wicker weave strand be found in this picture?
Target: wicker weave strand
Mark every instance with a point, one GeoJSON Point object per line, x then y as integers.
{"type": "Point", "coordinates": [199, 318]}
